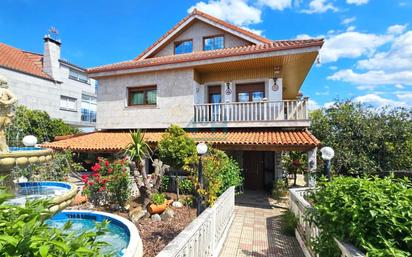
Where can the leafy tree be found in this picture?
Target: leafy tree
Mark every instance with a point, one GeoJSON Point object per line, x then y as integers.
{"type": "Point", "coordinates": [365, 140]}
{"type": "Point", "coordinates": [37, 123]}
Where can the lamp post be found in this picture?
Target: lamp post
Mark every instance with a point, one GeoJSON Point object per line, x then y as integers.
{"type": "Point", "coordinates": [327, 154]}
{"type": "Point", "coordinates": [201, 149]}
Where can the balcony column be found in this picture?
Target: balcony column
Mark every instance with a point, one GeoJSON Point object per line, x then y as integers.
{"type": "Point", "coordinates": [311, 179]}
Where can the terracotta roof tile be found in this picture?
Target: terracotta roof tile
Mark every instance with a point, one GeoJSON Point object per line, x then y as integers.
{"type": "Point", "coordinates": [117, 141]}
{"type": "Point", "coordinates": [207, 16]}
{"type": "Point", "coordinates": [204, 55]}
{"type": "Point", "coordinates": [16, 59]}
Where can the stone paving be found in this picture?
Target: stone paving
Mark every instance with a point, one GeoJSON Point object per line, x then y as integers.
{"type": "Point", "coordinates": [256, 229]}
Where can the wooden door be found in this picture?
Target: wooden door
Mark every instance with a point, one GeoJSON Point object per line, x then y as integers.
{"type": "Point", "coordinates": [253, 166]}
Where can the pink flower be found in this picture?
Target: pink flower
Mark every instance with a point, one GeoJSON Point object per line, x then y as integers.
{"type": "Point", "coordinates": [96, 167]}
{"type": "Point", "coordinates": [85, 178]}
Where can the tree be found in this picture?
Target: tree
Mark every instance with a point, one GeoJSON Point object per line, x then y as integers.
{"type": "Point", "coordinates": [365, 140]}
{"type": "Point", "coordinates": [37, 123]}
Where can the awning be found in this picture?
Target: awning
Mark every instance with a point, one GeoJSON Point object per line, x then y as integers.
{"type": "Point", "coordinates": [244, 139]}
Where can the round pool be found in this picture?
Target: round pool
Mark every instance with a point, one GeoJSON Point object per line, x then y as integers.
{"type": "Point", "coordinates": [25, 148]}
{"type": "Point", "coordinates": [123, 235]}
{"type": "Point", "coordinates": [60, 193]}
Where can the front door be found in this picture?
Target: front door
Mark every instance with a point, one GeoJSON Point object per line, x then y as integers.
{"type": "Point", "coordinates": [253, 168]}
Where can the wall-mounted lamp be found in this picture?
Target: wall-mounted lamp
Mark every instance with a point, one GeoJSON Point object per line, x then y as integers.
{"type": "Point", "coordinates": [228, 91]}
{"type": "Point", "coordinates": [275, 86]}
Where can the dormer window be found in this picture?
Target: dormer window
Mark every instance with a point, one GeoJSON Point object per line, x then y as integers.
{"type": "Point", "coordinates": [184, 47]}
{"type": "Point", "coordinates": [213, 43]}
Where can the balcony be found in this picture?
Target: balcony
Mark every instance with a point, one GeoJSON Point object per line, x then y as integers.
{"type": "Point", "coordinates": [287, 113]}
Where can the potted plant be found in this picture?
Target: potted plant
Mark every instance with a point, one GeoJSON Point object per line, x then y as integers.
{"type": "Point", "coordinates": [159, 203]}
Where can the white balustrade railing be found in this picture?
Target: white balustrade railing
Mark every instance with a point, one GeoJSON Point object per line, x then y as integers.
{"type": "Point", "coordinates": [305, 232]}
{"type": "Point", "coordinates": [252, 111]}
{"type": "Point", "coordinates": [205, 236]}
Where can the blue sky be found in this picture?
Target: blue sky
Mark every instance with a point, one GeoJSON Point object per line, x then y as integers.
{"type": "Point", "coordinates": [367, 55]}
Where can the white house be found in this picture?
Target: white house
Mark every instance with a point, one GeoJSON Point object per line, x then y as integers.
{"type": "Point", "coordinates": [49, 83]}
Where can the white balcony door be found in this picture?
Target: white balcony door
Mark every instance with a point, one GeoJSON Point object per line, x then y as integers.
{"type": "Point", "coordinates": [215, 98]}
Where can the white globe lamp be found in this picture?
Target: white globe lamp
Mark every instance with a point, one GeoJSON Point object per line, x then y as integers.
{"type": "Point", "coordinates": [201, 148]}
{"type": "Point", "coordinates": [327, 154]}
{"type": "Point", "coordinates": [29, 141]}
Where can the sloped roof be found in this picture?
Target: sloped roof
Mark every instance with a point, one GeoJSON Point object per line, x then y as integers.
{"type": "Point", "coordinates": [19, 60]}
{"type": "Point", "coordinates": [204, 55]}
{"type": "Point", "coordinates": [117, 141]}
{"type": "Point", "coordinates": [197, 13]}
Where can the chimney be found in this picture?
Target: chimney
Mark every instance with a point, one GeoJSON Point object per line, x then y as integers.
{"type": "Point", "coordinates": [51, 56]}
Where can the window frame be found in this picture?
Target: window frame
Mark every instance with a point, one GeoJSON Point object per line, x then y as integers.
{"type": "Point", "coordinates": [66, 98]}
{"type": "Point", "coordinates": [250, 88]}
{"type": "Point", "coordinates": [182, 41]}
{"type": "Point", "coordinates": [214, 36]}
{"type": "Point", "coordinates": [77, 78]}
{"type": "Point", "coordinates": [145, 90]}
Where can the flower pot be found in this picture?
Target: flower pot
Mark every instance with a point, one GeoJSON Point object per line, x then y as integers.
{"type": "Point", "coordinates": [157, 209]}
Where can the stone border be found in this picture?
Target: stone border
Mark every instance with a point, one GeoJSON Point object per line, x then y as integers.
{"type": "Point", "coordinates": [23, 158]}
{"type": "Point", "coordinates": [135, 246]}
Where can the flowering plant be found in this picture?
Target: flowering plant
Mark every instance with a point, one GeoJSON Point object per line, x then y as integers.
{"type": "Point", "coordinates": [109, 183]}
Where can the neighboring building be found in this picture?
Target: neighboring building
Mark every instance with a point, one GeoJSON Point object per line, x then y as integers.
{"type": "Point", "coordinates": [223, 84]}
{"type": "Point", "coordinates": [47, 82]}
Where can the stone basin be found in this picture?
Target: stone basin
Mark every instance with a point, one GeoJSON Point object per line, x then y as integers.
{"type": "Point", "coordinates": [22, 157]}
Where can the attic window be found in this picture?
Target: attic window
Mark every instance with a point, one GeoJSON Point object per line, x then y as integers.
{"type": "Point", "coordinates": [184, 47]}
{"type": "Point", "coordinates": [213, 43]}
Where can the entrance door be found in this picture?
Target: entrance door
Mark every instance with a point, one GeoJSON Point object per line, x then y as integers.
{"type": "Point", "coordinates": [253, 166]}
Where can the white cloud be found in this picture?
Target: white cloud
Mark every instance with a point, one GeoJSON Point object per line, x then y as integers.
{"type": "Point", "coordinates": [399, 86]}
{"type": "Point", "coordinates": [348, 20]}
{"type": "Point", "coordinates": [351, 28]}
{"type": "Point", "coordinates": [276, 4]}
{"type": "Point", "coordinates": [303, 36]}
{"type": "Point", "coordinates": [373, 77]}
{"type": "Point", "coordinates": [256, 31]}
{"type": "Point", "coordinates": [351, 44]}
{"type": "Point", "coordinates": [378, 101]}
{"type": "Point", "coordinates": [320, 6]}
{"type": "Point", "coordinates": [399, 56]}
{"type": "Point", "coordinates": [238, 12]}
{"type": "Point", "coordinates": [357, 2]}
{"type": "Point", "coordinates": [313, 105]}
{"type": "Point", "coordinates": [397, 29]}
{"type": "Point", "coordinates": [328, 105]}
{"type": "Point", "coordinates": [406, 98]}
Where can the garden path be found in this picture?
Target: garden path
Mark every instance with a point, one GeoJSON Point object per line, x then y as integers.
{"type": "Point", "coordinates": [256, 229]}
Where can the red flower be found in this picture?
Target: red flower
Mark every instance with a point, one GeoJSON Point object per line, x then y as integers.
{"type": "Point", "coordinates": [102, 189]}
{"type": "Point", "coordinates": [109, 170]}
{"type": "Point", "coordinates": [96, 167]}
{"type": "Point", "coordinates": [91, 183]}
{"type": "Point", "coordinates": [107, 163]}
{"type": "Point", "coordinates": [85, 178]}
{"type": "Point", "coordinates": [104, 181]}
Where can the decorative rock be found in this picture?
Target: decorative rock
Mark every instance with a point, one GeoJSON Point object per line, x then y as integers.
{"type": "Point", "coordinates": [137, 214]}
{"type": "Point", "coordinates": [156, 217]}
{"type": "Point", "coordinates": [177, 204]}
{"type": "Point", "coordinates": [167, 214]}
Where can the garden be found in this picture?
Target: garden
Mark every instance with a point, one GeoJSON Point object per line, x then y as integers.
{"type": "Point", "coordinates": [154, 187]}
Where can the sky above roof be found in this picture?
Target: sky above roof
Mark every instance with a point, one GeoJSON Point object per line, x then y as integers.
{"type": "Point", "coordinates": [367, 55]}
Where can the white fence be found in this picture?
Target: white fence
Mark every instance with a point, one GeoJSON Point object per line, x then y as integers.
{"type": "Point", "coordinates": [306, 231]}
{"type": "Point", "coordinates": [205, 236]}
{"type": "Point", "coordinates": [252, 111]}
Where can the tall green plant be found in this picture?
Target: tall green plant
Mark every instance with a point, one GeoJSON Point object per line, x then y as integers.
{"type": "Point", "coordinates": [373, 214]}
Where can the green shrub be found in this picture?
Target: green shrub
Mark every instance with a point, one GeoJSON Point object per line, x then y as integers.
{"type": "Point", "coordinates": [186, 186]}
{"type": "Point", "coordinates": [175, 147]}
{"type": "Point", "coordinates": [230, 174]}
{"type": "Point", "coordinates": [289, 223]}
{"type": "Point", "coordinates": [37, 123]}
{"type": "Point", "coordinates": [279, 189]}
{"type": "Point", "coordinates": [165, 183]}
{"type": "Point", "coordinates": [373, 214]}
{"type": "Point", "coordinates": [158, 198]}
{"type": "Point", "coordinates": [187, 200]}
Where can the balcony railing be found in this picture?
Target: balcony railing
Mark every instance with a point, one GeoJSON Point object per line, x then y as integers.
{"type": "Point", "coordinates": [252, 111]}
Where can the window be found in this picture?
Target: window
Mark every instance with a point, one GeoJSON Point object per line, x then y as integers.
{"type": "Point", "coordinates": [79, 76]}
{"type": "Point", "coordinates": [68, 103]}
{"type": "Point", "coordinates": [88, 108]}
{"type": "Point", "coordinates": [184, 47]}
{"type": "Point", "coordinates": [213, 43]}
{"type": "Point", "coordinates": [142, 95]}
{"type": "Point", "coordinates": [250, 92]}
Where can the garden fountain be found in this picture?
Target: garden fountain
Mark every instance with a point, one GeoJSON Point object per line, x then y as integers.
{"type": "Point", "coordinates": [60, 193]}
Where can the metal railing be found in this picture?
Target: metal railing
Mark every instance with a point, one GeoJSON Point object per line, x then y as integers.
{"type": "Point", "coordinates": [306, 231]}
{"type": "Point", "coordinates": [205, 236]}
{"type": "Point", "coordinates": [252, 111]}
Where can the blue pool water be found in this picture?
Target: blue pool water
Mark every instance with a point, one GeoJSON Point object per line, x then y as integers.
{"type": "Point", "coordinates": [28, 148]}
{"type": "Point", "coordinates": [118, 236]}
{"type": "Point", "coordinates": [38, 190]}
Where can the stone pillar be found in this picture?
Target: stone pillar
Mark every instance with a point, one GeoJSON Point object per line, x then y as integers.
{"type": "Point", "coordinates": [311, 179]}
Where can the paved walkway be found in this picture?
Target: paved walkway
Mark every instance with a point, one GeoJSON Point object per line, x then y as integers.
{"type": "Point", "coordinates": [256, 229]}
